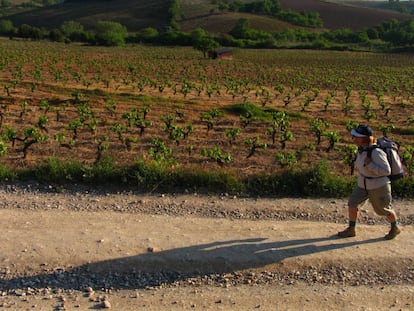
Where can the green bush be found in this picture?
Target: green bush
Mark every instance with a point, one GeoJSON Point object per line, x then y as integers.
{"type": "Point", "coordinates": [149, 175]}
{"type": "Point", "coordinates": [249, 109]}
{"type": "Point", "coordinates": [209, 181]}
{"type": "Point", "coordinates": [7, 173]}
{"type": "Point", "coordinates": [110, 33]}
{"type": "Point", "coordinates": [6, 27]}
{"type": "Point", "coordinates": [319, 181]}
{"type": "Point", "coordinates": [163, 175]}
{"type": "Point", "coordinates": [55, 171]}
{"type": "Point", "coordinates": [404, 187]}
{"type": "Point", "coordinates": [104, 171]}
{"type": "Point", "coordinates": [314, 181]}
{"type": "Point", "coordinates": [58, 172]}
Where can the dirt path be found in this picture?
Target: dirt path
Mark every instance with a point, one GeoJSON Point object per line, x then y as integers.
{"type": "Point", "coordinates": [128, 251]}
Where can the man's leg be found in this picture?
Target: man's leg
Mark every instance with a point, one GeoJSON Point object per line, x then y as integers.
{"type": "Point", "coordinates": [381, 201]}
{"type": "Point", "coordinates": [353, 215]}
{"type": "Point", "coordinates": [357, 199]}
{"type": "Point", "coordinates": [394, 231]}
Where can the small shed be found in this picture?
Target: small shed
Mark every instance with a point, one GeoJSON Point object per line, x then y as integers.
{"type": "Point", "coordinates": [221, 53]}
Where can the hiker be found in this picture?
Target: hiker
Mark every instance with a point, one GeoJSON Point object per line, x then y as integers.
{"type": "Point", "coordinates": [372, 183]}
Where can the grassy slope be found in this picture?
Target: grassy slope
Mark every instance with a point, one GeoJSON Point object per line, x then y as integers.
{"type": "Point", "coordinates": [137, 14]}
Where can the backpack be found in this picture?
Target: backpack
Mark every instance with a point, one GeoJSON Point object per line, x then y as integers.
{"type": "Point", "coordinates": [391, 149]}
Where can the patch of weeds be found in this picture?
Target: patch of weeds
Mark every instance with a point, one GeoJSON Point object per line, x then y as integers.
{"type": "Point", "coordinates": [103, 172]}
{"type": "Point", "coordinates": [316, 181]}
{"type": "Point", "coordinates": [149, 175]}
{"type": "Point", "coordinates": [249, 109]}
{"type": "Point", "coordinates": [7, 174]}
{"type": "Point", "coordinates": [55, 171]}
{"type": "Point", "coordinates": [218, 181]}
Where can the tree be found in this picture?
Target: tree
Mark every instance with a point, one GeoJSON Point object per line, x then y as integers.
{"type": "Point", "coordinates": [6, 27]}
{"type": "Point", "coordinates": [202, 41]}
{"type": "Point", "coordinates": [57, 35]}
{"type": "Point", "coordinates": [27, 31]}
{"type": "Point", "coordinates": [172, 36]}
{"type": "Point", "coordinates": [235, 6]}
{"type": "Point", "coordinates": [5, 3]}
{"type": "Point", "coordinates": [173, 13]}
{"type": "Point", "coordinates": [242, 29]}
{"type": "Point", "coordinates": [49, 2]}
{"type": "Point", "coordinates": [148, 34]}
{"type": "Point", "coordinates": [72, 30]}
{"type": "Point", "coordinates": [110, 33]}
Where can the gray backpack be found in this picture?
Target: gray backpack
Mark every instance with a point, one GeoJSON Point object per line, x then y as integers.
{"type": "Point", "coordinates": [391, 149]}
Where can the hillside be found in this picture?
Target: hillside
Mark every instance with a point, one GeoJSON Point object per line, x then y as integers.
{"type": "Point", "coordinates": [334, 16]}
{"type": "Point", "coordinates": [139, 14]}
{"type": "Point", "coordinates": [134, 15]}
{"type": "Point", "coordinates": [338, 16]}
{"type": "Point", "coordinates": [404, 6]}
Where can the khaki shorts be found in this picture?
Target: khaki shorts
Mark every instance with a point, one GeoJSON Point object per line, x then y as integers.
{"type": "Point", "coordinates": [380, 199]}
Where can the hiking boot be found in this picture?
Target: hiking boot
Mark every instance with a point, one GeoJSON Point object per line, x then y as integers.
{"type": "Point", "coordinates": [393, 233]}
{"type": "Point", "coordinates": [347, 233]}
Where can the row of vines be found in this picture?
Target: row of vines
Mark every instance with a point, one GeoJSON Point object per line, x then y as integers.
{"type": "Point", "coordinates": [261, 112]}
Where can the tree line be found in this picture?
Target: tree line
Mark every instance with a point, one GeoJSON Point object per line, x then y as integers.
{"type": "Point", "coordinates": [272, 8]}
{"type": "Point", "coordinates": [387, 36]}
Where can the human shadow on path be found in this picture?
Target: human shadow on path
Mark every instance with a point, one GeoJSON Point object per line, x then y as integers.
{"type": "Point", "coordinates": [168, 266]}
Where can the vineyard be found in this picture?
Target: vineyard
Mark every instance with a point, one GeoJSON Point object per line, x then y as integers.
{"type": "Point", "coordinates": [263, 112]}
